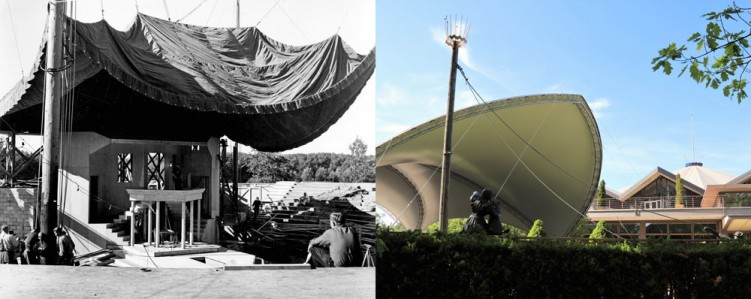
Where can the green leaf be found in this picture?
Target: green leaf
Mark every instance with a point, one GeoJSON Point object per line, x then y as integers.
{"type": "Point", "coordinates": [694, 37]}
{"type": "Point", "coordinates": [700, 45]}
{"type": "Point", "coordinates": [715, 83]}
{"type": "Point", "coordinates": [712, 43]}
{"type": "Point", "coordinates": [723, 76]}
{"type": "Point", "coordinates": [683, 70]}
{"type": "Point", "coordinates": [696, 74]}
{"type": "Point", "coordinates": [667, 68]}
{"type": "Point", "coordinates": [657, 65]}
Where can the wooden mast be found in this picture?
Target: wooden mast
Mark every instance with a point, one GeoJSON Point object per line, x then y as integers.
{"type": "Point", "coordinates": [51, 131]}
{"type": "Point", "coordinates": [455, 39]}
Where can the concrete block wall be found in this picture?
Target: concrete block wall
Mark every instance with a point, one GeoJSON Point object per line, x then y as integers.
{"type": "Point", "coordinates": [17, 209]}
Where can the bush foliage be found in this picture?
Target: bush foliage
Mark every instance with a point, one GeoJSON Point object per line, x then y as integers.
{"type": "Point", "coordinates": [537, 230]}
{"type": "Point", "coordinates": [439, 265]}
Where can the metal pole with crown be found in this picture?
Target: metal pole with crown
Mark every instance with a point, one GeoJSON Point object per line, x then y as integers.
{"type": "Point", "coordinates": [456, 37]}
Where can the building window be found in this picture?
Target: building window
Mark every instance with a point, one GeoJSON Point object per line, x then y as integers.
{"type": "Point", "coordinates": [155, 171]}
{"type": "Point", "coordinates": [124, 168]}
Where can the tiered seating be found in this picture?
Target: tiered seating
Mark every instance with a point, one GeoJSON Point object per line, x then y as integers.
{"type": "Point", "coordinates": [285, 233]}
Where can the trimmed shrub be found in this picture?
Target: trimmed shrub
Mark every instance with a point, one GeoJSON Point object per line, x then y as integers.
{"type": "Point", "coordinates": [599, 232]}
{"type": "Point", "coordinates": [440, 265]}
{"type": "Point", "coordinates": [536, 230]}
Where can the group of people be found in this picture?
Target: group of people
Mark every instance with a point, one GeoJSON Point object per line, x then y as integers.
{"type": "Point", "coordinates": [37, 248]}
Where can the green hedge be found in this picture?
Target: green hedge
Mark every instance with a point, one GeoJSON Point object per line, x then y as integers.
{"type": "Point", "coordinates": [422, 265]}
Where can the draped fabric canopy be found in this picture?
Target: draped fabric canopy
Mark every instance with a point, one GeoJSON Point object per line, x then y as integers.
{"type": "Point", "coordinates": [171, 81]}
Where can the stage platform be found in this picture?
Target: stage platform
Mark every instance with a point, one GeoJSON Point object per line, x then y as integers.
{"type": "Point", "coordinates": [36, 281]}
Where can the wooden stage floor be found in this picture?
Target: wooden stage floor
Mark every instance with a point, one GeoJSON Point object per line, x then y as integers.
{"type": "Point", "coordinates": [35, 281]}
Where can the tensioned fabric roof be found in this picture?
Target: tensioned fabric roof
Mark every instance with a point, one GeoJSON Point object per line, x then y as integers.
{"type": "Point", "coordinates": [555, 135]}
{"type": "Point", "coordinates": [171, 81]}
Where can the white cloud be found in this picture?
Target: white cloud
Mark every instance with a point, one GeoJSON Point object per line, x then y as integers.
{"type": "Point", "coordinates": [439, 36]}
{"type": "Point", "coordinates": [598, 107]}
{"type": "Point", "coordinates": [464, 99]}
{"type": "Point", "coordinates": [389, 95]}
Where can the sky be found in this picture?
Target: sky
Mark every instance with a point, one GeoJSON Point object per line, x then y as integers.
{"type": "Point", "coordinates": [298, 22]}
{"type": "Point", "coordinates": [599, 49]}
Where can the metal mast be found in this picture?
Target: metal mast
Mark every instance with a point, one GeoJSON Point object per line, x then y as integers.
{"type": "Point", "coordinates": [456, 37]}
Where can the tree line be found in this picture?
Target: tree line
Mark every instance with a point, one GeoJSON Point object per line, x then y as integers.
{"type": "Point", "coordinates": [320, 167]}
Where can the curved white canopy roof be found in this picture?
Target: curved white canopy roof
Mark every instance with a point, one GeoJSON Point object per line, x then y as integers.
{"type": "Point", "coordinates": [555, 177]}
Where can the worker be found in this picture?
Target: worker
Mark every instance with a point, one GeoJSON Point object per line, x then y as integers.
{"type": "Point", "coordinates": [338, 246]}
{"type": "Point", "coordinates": [29, 252]}
{"type": "Point", "coordinates": [65, 247]}
{"type": "Point", "coordinates": [6, 245]}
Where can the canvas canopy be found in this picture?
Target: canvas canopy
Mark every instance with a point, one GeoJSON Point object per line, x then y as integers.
{"type": "Point", "coordinates": [543, 163]}
{"type": "Point", "coordinates": [170, 81]}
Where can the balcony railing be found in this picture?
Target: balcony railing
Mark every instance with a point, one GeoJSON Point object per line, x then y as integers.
{"type": "Point", "coordinates": [652, 202]}
{"type": "Point", "coordinates": [668, 202]}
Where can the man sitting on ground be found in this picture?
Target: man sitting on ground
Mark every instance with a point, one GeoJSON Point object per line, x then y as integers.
{"type": "Point", "coordinates": [338, 246]}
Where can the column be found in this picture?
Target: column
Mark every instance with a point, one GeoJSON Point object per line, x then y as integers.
{"type": "Point", "coordinates": [192, 224]}
{"type": "Point", "coordinates": [132, 224]}
{"type": "Point", "coordinates": [182, 226]}
{"type": "Point", "coordinates": [148, 230]}
{"type": "Point", "coordinates": [199, 218]}
{"type": "Point", "coordinates": [158, 233]}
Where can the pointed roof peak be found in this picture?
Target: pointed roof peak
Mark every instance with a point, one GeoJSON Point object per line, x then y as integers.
{"type": "Point", "coordinates": [696, 173]}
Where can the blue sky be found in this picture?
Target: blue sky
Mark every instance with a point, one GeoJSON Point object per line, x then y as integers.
{"type": "Point", "coordinates": [599, 50]}
{"type": "Point", "coordinates": [293, 22]}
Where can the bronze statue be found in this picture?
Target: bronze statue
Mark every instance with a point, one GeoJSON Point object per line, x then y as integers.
{"type": "Point", "coordinates": [484, 204]}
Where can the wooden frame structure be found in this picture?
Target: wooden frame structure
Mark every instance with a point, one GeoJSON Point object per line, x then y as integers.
{"type": "Point", "coordinates": [158, 196]}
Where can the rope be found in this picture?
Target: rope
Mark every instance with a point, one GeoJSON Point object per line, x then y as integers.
{"type": "Point", "coordinates": [194, 9]}
{"type": "Point", "coordinates": [13, 27]}
{"type": "Point", "coordinates": [293, 23]}
{"type": "Point", "coordinates": [166, 10]}
{"type": "Point", "coordinates": [211, 13]}
{"type": "Point", "coordinates": [267, 13]}
{"type": "Point", "coordinates": [344, 17]}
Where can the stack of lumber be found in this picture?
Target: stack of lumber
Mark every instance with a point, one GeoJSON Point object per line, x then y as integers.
{"type": "Point", "coordinates": [95, 258]}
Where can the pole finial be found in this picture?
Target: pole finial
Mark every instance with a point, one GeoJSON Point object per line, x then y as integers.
{"type": "Point", "coordinates": [457, 30]}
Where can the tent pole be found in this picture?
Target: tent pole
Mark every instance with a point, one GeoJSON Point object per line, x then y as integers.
{"type": "Point", "coordinates": [235, 177]}
{"type": "Point", "coordinates": [237, 14]}
{"type": "Point", "coordinates": [446, 165]}
{"type": "Point", "coordinates": [456, 37]}
{"type": "Point", "coordinates": [52, 93]}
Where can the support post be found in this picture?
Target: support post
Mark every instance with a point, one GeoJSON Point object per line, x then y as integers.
{"type": "Point", "coordinates": [192, 224]}
{"type": "Point", "coordinates": [158, 232]}
{"type": "Point", "coordinates": [199, 219]}
{"type": "Point", "coordinates": [132, 223]}
{"type": "Point", "coordinates": [182, 226]}
{"type": "Point", "coordinates": [149, 231]}
{"type": "Point", "coordinates": [449, 127]}
{"type": "Point", "coordinates": [223, 178]}
{"type": "Point", "coordinates": [235, 177]}
{"type": "Point", "coordinates": [52, 93]}
{"type": "Point", "coordinates": [10, 161]}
